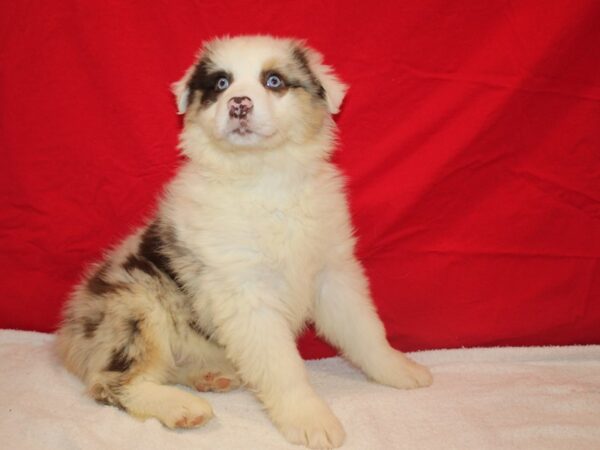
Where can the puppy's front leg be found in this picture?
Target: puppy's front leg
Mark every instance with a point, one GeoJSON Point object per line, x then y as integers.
{"type": "Point", "coordinates": [258, 340]}
{"type": "Point", "coordinates": [346, 317]}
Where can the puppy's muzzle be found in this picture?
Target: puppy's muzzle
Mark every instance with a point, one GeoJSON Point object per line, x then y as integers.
{"type": "Point", "coordinates": [239, 107]}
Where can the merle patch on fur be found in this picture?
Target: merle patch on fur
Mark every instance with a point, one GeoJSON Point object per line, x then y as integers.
{"type": "Point", "coordinates": [133, 262]}
{"type": "Point", "coordinates": [119, 361]}
{"type": "Point", "coordinates": [196, 328]}
{"type": "Point", "coordinates": [316, 87]}
{"type": "Point", "coordinates": [204, 82]}
{"type": "Point", "coordinates": [98, 285]}
{"type": "Point", "coordinates": [90, 325]}
{"type": "Point", "coordinates": [134, 327]}
{"type": "Point", "coordinates": [108, 394]}
{"type": "Point", "coordinates": [151, 249]}
{"type": "Point", "coordinates": [111, 401]}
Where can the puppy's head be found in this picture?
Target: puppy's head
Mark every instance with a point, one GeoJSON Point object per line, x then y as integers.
{"type": "Point", "coordinates": [258, 92]}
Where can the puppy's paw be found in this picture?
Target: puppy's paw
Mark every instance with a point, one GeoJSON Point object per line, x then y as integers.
{"type": "Point", "coordinates": [401, 372]}
{"type": "Point", "coordinates": [193, 413]}
{"type": "Point", "coordinates": [216, 382]}
{"type": "Point", "coordinates": [311, 424]}
{"type": "Point", "coordinates": [413, 375]}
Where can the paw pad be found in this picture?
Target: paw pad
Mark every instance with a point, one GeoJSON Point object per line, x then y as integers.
{"type": "Point", "coordinates": [214, 382]}
{"type": "Point", "coordinates": [189, 422]}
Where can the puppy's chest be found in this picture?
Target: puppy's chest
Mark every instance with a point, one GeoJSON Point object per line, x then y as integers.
{"type": "Point", "coordinates": [288, 234]}
{"type": "Point", "coordinates": [279, 227]}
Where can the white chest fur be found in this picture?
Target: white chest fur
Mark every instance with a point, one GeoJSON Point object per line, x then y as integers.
{"type": "Point", "coordinates": [272, 232]}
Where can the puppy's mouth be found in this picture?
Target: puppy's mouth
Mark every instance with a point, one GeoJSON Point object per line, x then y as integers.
{"type": "Point", "coordinates": [243, 129]}
{"type": "Point", "coordinates": [243, 132]}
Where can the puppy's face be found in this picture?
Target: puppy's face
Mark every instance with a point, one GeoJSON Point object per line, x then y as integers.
{"type": "Point", "coordinates": [258, 92]}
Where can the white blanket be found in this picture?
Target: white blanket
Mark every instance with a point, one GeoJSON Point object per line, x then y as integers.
{"type": "Point", "coordinates": [497, 398]}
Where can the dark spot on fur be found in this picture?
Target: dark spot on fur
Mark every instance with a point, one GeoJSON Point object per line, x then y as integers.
{"type": "Point", "coordinates": [196, 328]}
{"type": "Point", "coordinates": [108, 394]}
{"type": "Point", "coordinates": [152, 249]}
{"type": "Point", "coordinates": [119, 361]}
{"type": "Point", "coordinates": [133, 262]}
{"type": "Point", "coordinates": [204, 81]}
{"type": "Point", "coordinates": [91, 325]}
{"type": "Point", "coordinates": [134, 327]}
{"type": "Point", "coordinates": [110, 401]}
{"type": "Point", "coordinates": [315, 86]}
{"type": "Point", "coordinates": [98, 285]}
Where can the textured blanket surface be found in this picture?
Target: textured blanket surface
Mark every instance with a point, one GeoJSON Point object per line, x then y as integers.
{"type": "Point", "coordinates": [496, 398]}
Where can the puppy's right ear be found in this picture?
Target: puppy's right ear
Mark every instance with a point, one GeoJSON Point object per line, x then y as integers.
{"type": "Point", "coordinates": [181, 90]}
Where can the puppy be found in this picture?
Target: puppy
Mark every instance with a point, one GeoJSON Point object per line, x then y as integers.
{"type": "Point", "coordinates": [251, 240]}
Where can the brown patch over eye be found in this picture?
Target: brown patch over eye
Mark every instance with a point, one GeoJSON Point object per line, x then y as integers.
{"type": "Point", "coordinates": [295, 73]}
{"type": "Point", "coordinates": [208, 82]}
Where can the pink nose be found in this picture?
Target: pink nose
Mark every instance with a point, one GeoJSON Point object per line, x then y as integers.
{"type": "Point", "coordinates": [239, 107]}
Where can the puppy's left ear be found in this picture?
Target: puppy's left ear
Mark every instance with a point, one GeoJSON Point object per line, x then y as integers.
{"type": "Point", "coordinates": [181, 90]}
{"type": "Point", "coordinates": [335, 89]}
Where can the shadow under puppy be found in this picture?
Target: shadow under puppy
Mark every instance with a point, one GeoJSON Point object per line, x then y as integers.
{"type": "Point", "coordinates": [251, 240]}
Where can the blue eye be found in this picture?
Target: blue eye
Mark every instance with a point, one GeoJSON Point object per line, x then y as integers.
{"type": "Point", "coordinates": [222, 84]}
{"type": "Point", "coordinates": [274, 82]}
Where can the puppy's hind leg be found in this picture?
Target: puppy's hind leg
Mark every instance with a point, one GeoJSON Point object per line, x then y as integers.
{"type": "Point", "coordinates": [144, 399]}
{"type": "Point", "coordinates": [133, 379]}
{"type": "Point", "coordinates": [346, 317]}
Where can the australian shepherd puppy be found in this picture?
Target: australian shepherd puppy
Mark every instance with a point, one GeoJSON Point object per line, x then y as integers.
{"type": "Point", "coordinates": [251, 240]}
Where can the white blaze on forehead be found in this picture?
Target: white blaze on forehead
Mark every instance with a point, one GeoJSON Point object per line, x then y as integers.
{"type": "Point", "coordinates": [246, 57]}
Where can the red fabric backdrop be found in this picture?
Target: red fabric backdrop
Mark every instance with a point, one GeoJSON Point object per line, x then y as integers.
{"type": "Point", "coordinates": [470, 138]}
